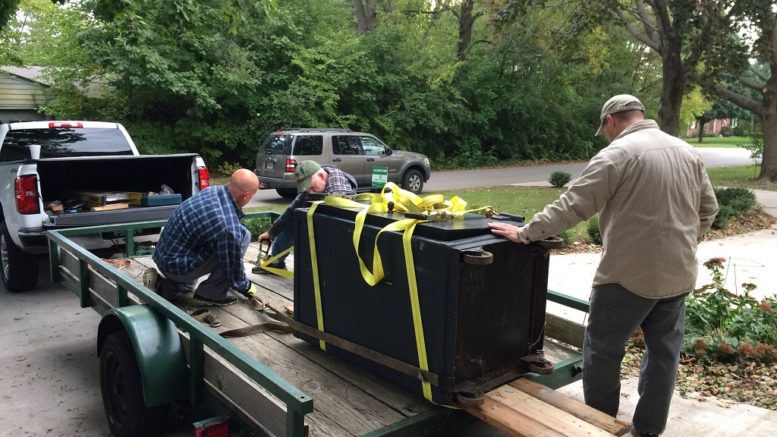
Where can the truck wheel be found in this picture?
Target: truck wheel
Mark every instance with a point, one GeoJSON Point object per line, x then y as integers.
{"type": "Point", "coordinates": [286, 193]}
{"type": "Point", "coordinates": [122, 390]}
{"type": "Point", "coordinates": [18, 269]}
{"type": "Point", "coordinates": [413, 181]}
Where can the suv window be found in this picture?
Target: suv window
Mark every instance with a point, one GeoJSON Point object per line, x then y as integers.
{"type": "Point", "coordinates": [277, 144]}
{"type": "Point", "coordinates": [346, 145]}
{"type": "Point", "coordinates": [61, 142]}
{"type": "Point", "coordinates": [371, 146]}
{"type": "Point", "coordinates": [308, 145]}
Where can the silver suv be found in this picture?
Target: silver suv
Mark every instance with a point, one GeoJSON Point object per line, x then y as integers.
{"type": "Point", "coordinates": [360, 154]}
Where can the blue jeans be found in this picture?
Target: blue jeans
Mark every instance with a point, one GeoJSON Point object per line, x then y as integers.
{"type": "Point", "coordinates": [615, 314]}
{"type": "Point", "coordinates": [215, 286]}
{"type": "Point", "coordinates": [282, 241]}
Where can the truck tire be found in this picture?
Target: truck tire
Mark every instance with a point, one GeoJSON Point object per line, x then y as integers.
{"type": "Point", "coordinates": [18, 269]}
{"type": "Point", "coordinates": [413, 181]}
{"type": "Point", "coordinates": [286, 193]}
{"type": "Point", "coordinates": [122, 390]}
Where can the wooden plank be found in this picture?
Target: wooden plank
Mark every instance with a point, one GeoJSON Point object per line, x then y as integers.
{"type": "Point", "coordinates": [572, 406]}
{"type": "Point", "coordinates": [110, 207]}
{"type": "Point", "coordinates": [564, 330]}
{"type": "Point", "coordinates": [342, 402]}
{"type": "Point", "coordinates": [510, 421]}
{"type": "Point", "coordinates": [551, 417]}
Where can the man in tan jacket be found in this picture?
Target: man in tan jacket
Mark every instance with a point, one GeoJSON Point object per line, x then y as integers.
{"type": "Point", "coordinates": [655, 202]}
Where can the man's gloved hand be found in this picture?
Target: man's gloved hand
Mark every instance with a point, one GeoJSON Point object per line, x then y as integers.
{"type": "Point", "coordinates": [251, 292]}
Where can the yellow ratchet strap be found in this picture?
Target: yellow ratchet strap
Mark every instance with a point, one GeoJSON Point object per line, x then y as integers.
{"type": "Point", "coordinates": [314, 266]}
{"type": "Point", "coordinates": [280, 272]}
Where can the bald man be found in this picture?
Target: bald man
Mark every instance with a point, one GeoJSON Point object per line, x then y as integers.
{"type": "Point", "coordinates": [204, 236]}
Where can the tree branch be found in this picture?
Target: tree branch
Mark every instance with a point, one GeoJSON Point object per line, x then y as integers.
{"type": "Point", "coordinates": [751, 83]}
{"type": "Point", "coordinates": [739, 100]}
{"type": "Point", "coordinates": [636, 33]}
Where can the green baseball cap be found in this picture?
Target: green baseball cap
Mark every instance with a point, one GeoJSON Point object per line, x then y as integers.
{"type": "Point", "coordinates": [304, 174]}
{"type": "Point", "coordinates": [616, 104]}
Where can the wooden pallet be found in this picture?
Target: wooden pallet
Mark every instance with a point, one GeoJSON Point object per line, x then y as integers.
{"type": "Point", "coordinates": [526, 408]}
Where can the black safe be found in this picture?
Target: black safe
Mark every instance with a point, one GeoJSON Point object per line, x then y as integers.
{"type": "Point", "coordinates": [482, 298]}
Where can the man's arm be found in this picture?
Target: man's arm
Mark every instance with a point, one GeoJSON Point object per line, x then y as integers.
{"type": "Point", "coordinates": [708, 206]}
{"type": "Point", "coordinates": [284, 221]}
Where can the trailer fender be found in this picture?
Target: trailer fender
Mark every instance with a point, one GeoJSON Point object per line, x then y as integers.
{"type": "Point", "coordinates": [158, 348]}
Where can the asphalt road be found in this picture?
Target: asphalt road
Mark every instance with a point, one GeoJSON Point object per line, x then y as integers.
{"type": "Point", "coordinates": [484, 177]}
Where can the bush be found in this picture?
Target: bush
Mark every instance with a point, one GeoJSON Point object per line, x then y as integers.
{"type": "Point", "coordinates": [225, 169]}
{"type": "Point", "coordinates": [724, 326]}
{"type": "Point", "coordinates": [568, 236]}
{"type": "Point", "coordinates": [559, 178]}
{"type": "Point", "coordinates": [734, 202]}
{"type": "Point", "coordinates": [726, 131]}
{"type": "Point", "coordinates": [593, 230]}
{"type": "Point", "coordinates": [257, 225]}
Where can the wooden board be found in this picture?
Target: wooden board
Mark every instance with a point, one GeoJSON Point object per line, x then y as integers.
{"type": "Point", "coordinates": [525, 408]}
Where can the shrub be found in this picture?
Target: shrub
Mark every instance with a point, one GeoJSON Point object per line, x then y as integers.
{"type": "Point", "coordinates": [559, 178]}
{"type": "Point", "coordinates": [568, 236]}
{"type": "Point", "coordinates": [226, 169]}
{"type": "Point", "coordinates": [257, 225]}
{"type": "Point", "coordinates": [724, 326]}
{"type": "Point", "coordinates": [593, 230]}
{"type": "Point", "coordinates": [726, 131]}
{"type": "Point", "coordinates": [734, 202]}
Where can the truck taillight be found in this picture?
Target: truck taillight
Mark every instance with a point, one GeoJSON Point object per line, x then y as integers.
{"type": "Point", "coordinates": [291, 165]}
{"type": "Point", "coordinates": [215, 427]}
{"type": "Point", "coordinates": [26, 190]}
{"type": "Point", "coordinates": [56, 124]}
{"type": "Point", "coordinates": [204, 176]}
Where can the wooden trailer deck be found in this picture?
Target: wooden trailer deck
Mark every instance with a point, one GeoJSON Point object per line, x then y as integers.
{"type": "Point", "coordinates": [347, 400]}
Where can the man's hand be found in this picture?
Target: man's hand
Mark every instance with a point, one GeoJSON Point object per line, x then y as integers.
{"type": "Point", "coordinates": [506, 230]}
{"type": "Point", "coordinates": [265, 236]}
{"type": "Point", "coordinates": [251, 292]}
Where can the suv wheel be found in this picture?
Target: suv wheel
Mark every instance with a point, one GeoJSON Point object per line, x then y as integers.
{"type": "Point", "coordinates": [286, 193]}
{"type": "Point", "coordinates": [18, 269]}
{"type": "Point", "coordinates": [413, 181]}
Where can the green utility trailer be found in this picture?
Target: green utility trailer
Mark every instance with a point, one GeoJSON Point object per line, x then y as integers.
{"type": "Point", "coordinates": [154, 354]}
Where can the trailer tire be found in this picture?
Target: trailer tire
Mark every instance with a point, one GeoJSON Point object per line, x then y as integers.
{"type": "Point", "coordinates": [122, 390]}
{"type": "Point", "coordinates": [18, 269]}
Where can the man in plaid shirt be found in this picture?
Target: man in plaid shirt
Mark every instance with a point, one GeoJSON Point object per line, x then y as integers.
{"type": "Point", "coordinates": [311, 178]}
{"type": "Point", "coordinates": [204, 236]}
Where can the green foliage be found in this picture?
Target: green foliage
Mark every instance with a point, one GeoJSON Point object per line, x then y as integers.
{"type": "Point", "coordinates": [724, 326]}
{"type": "Point", "coordinates": [257, 226]}
{"type": "Point", "coordinates": [592, 227]}
{"type": "Point", "coordinates": [559, 178]}
{"type": "Point", "coordinates": [226, 169]}
{"type": "Point", "coordinates": [733, 202]}
{"type": "Point", "coordinates": [568, 237]}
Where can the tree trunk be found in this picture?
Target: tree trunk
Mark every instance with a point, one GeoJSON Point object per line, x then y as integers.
{"type": "Point", "coordinates": [769, 117]}
{"type": "Point", "coordinates": [672, 90]}
{"type": "Point", "coordinates": [366, 17]}
{"type": "Point", "coordinates": [701, 129]}
{"type": "Point", "coordinates": [465, 28]}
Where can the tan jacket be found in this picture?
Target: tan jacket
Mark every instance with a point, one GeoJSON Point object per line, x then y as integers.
{"type": "Point", "coordinates": [655, 203]}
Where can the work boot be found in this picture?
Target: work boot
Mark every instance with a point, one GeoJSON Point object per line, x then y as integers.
{"type": "Point", "coordinates": [228, 300]}
{"type": "Point", "coordinates": [275, 265]}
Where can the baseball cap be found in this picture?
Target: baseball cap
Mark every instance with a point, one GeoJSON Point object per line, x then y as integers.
{"type": "Point", "coordinates": [616, 104]}
{"type": "Point", "coordinates": [304, 173]}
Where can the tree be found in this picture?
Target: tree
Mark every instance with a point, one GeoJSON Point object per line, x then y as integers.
{"type": "Point", "coordinates": [366, 16]}
{"type": "Point", "coordinates": [719, 109]}
{"type": "Point", "coordinates": [679, 31]}
{"type": "Point", "coordinates": [729, 69]}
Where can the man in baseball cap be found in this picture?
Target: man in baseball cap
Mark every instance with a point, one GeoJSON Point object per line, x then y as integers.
{"type": "Point", "coordinates": [616, 105]}
{"type": "Point", "coordinates": [311, 177]}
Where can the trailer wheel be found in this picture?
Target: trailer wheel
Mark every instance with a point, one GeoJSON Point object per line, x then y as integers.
{"type": "Point", "coordinates": [122, 390]}
{"type": "Point", "coordinates": [18, 269]}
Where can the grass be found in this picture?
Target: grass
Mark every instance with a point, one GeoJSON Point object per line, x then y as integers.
{"type": "Point", "coordinates": [720, 142]}
{"type": "Point", "coordinates": [740, 177]}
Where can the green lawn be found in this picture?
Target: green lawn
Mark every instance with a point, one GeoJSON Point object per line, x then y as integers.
{"type": "Point", "coordinates": [742, 177]}
{"type": "Point", "coordinates": [720, 142]}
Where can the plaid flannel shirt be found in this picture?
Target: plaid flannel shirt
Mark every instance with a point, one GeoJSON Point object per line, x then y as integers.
{"type": "Point", "coordinates": [207, 223]}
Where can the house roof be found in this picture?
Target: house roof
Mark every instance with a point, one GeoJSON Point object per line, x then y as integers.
{"type": "Point", "coordinates": [34, 74]}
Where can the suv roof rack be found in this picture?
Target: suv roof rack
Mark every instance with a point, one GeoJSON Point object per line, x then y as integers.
{"type": "Point", "coordinates": [315, 129]}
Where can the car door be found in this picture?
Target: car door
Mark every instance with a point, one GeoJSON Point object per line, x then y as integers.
{"type": "Point", "coordinates": [379, 155]}
{"type": "Point", "coordinates": [347, 155]}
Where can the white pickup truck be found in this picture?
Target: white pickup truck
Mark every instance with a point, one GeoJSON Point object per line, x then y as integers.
{"type": "Point", "coordinates": [43, 163]}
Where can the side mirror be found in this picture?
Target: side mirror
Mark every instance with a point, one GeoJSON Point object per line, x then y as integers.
{"type": "Point", "coordinates": [388, 151]}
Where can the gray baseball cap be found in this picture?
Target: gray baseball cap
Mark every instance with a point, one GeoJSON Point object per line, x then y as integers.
{"type": "Point", "coordinates": [616, 104]}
